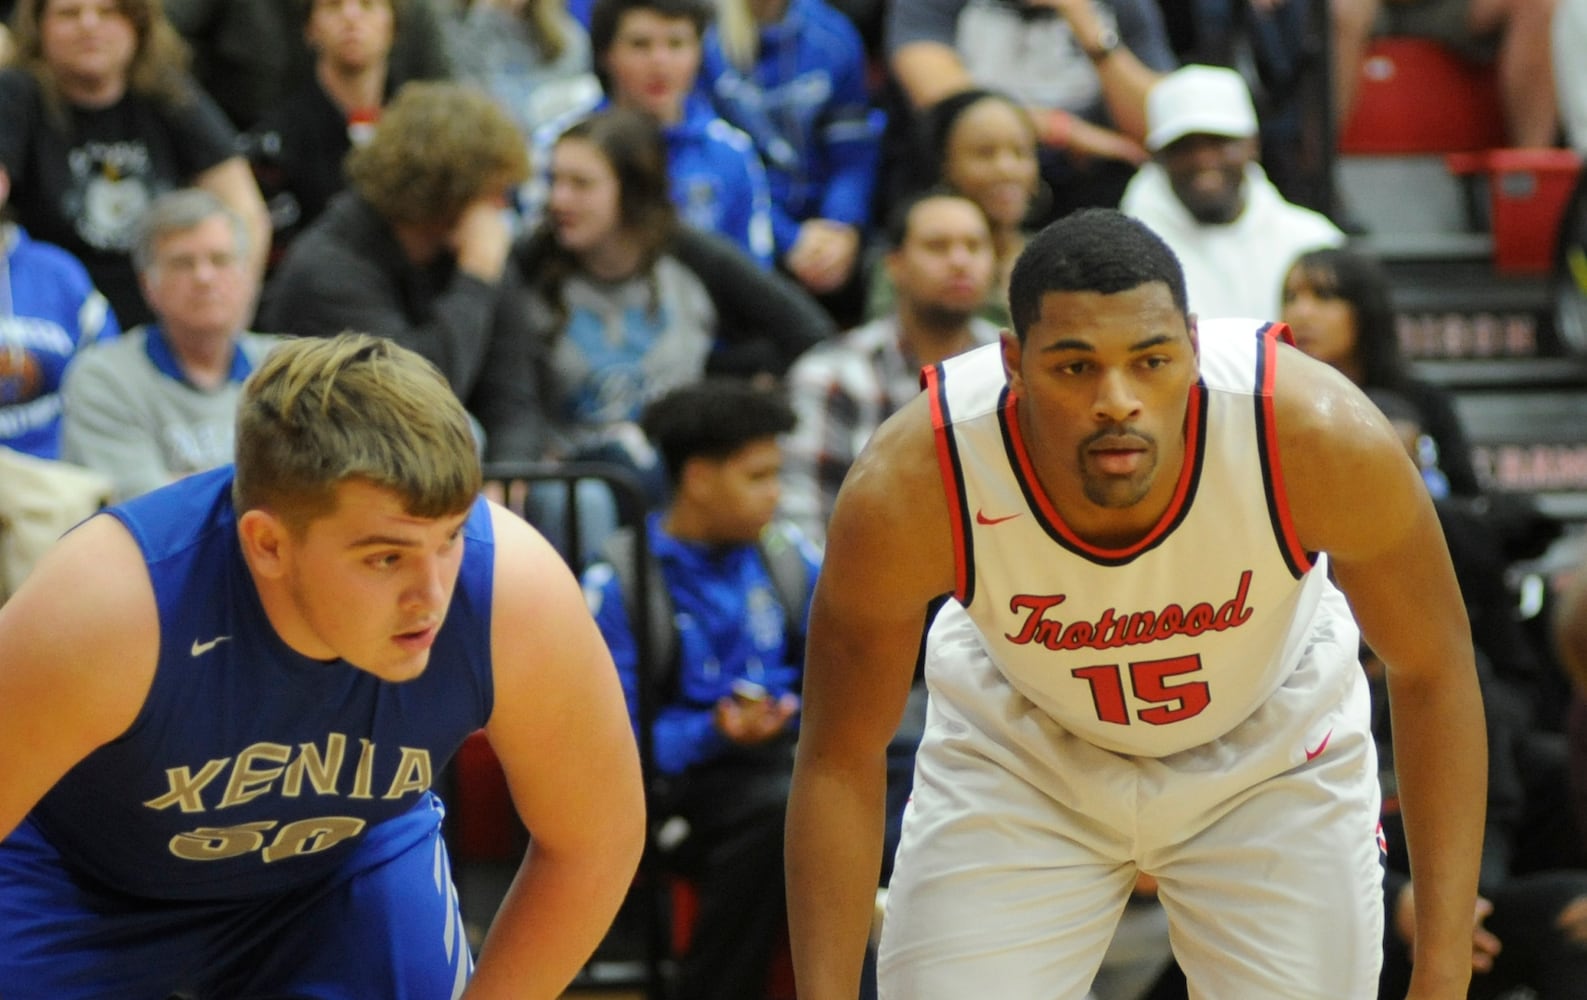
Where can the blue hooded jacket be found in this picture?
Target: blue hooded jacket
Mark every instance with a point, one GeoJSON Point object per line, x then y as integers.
{"type": "Point", "coordinates": [730, 626]}
{"type": "Point", "coordinates": [806, 105]}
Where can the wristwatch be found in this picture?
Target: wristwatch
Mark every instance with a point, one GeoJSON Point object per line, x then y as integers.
{"type": "Point", "coordinates": [1107, 42]}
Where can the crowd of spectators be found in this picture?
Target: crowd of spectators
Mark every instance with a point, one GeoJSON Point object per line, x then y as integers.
{"type": "Point", "coordinates": [576, 209]}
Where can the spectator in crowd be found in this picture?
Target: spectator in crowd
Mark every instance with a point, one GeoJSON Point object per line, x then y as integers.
{"type": "Point", "coordinates": [160, 402]}
{"type": "Point", "coordinates": [415, 249]}
{"type": "Point", "coordinates": [983, 146]}
{"type": "Point", "coordinates": [647, 56]}
{"type": "Point", "coordinates": [729, 701]}
{"type": "Point", "coordinates": [298, 147]}
{"type": "Point", "coordinates": [251, 54]}
{"type": "Point", "coordinates": [1206, 195]}
{"type": "Point", "coordinates": [1082, 68]}
{"type": "Point", "coordinates": [100, 118]}
{"type": "Point", "coordinates": [1514, 36]}
{"type": "Point", "coordinates": [1336, 301]}
{"type": "Point", "coordinates": [49, 313]}
{"type": "Point", "coordinates": [1569, 40]}
{"type": "Point", "coordinates": [532, 56]}
{"type": "Point", "coordinates": [625, 303]}
{"type": "Point", "coordinates": [940, 263]}
{"type": "Point", "coordinates": [791, 74]}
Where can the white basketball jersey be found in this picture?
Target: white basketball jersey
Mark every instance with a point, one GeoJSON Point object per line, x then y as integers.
{"type": "Point", "coordinates": [1176, 639]}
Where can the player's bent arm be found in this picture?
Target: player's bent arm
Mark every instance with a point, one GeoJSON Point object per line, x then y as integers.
{"type": "Point", "coordinates": [78, 646]}
{"type": "Point", "coordinates": [888, 554]}
{"type": "Point", "coordinates": [1356, 494]}
{"type": "Point", "coordinates": [561, 730]}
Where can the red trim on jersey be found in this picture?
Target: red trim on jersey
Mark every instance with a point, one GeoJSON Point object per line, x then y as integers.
{"type": "Point", "coordinates": [931, 380]}
{"type": "Point", "coordinates": [1025, 470]}
{"type": "Point", "coordinates": [1286, 523]}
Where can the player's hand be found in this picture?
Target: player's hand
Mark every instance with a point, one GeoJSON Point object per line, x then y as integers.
{"type": "Point", "coordinates": [752, 722]}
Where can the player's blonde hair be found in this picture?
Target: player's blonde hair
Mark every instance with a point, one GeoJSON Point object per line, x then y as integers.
{"type": "Point", "coordinates": [319, 412]}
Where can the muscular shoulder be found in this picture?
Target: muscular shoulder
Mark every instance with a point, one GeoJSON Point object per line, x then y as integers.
{"type": "Point", "coordinates": [86, 624]}
{"type": "Point", "coordinates": [525, 562]}
{"type": "Point", "coordinates": [892, 509]}
{"type": "Point", "coordinates": [900, 457]}
{"type": "Point", "coordinates": [534, 593]}
{"type": "Point", "coordinates": [1344, 468]}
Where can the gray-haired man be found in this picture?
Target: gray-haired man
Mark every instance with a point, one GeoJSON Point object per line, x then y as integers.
{"type": "Point", "coordinates": [159, 403]}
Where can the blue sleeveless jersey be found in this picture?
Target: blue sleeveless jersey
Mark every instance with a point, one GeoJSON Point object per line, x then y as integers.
{"type": "Point", "coordinates": [252, 769]}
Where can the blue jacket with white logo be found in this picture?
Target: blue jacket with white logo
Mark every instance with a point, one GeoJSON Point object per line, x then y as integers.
{"type": "Point", "coordinates": [730, 626]}
{"type": "Point", "coordinates": [49, 311]}
{"type": "Point", "coordinates": [807, 107]}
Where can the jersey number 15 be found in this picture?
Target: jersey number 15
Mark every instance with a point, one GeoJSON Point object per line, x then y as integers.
{"type": "Point", "coordinates": [1149, 682]}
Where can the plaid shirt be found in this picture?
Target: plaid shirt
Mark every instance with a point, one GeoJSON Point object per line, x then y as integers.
{"type": "Point", "coordinates": [841, 391]}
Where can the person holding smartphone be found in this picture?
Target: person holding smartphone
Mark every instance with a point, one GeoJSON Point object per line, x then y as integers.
{"type": "Point", "coordinates": [728, 698]}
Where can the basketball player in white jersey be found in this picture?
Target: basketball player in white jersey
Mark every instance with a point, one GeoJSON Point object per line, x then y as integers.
{"type": "Point", "coordinates": [1145, 667]}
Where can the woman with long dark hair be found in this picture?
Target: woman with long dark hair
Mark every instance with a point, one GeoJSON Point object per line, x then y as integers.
{"type": "Point", "coordinates": [625, 302]}
{"type": "Point", "coordinates": [1337, 303]}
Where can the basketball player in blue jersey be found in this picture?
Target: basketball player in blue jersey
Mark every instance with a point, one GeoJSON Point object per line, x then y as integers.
{"type": "Point", "coordinates": [1146, 666]}
{"type": "Point", "coordinates": [222, 706]}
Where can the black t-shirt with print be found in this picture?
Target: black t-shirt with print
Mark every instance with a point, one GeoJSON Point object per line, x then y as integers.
{"type": "Point", "coordinates": [85, 186]}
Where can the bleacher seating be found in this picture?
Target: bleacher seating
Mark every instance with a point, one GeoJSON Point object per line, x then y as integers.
{"type": "Point", "coordinates": [1467, 230]}
{"type": "Point", "coordinates": [1417, 96]}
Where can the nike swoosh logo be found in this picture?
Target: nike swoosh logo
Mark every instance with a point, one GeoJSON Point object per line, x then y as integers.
{"type": "Point", "coordinates": [1313, 754]}
{"type": "Point", "coordinates": [200, 648]}
{"type": "Point", "coordinates": [981, 518]}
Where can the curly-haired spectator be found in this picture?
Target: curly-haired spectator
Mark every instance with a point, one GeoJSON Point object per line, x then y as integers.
{"type": "Point", "coordinates": [414, 249]}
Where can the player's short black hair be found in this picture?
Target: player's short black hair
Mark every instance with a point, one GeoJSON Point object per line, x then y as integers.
{"type": "Point", "coordinates": [714, 418]}
{"type": "Point", "coordinates": [1093, 250]}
